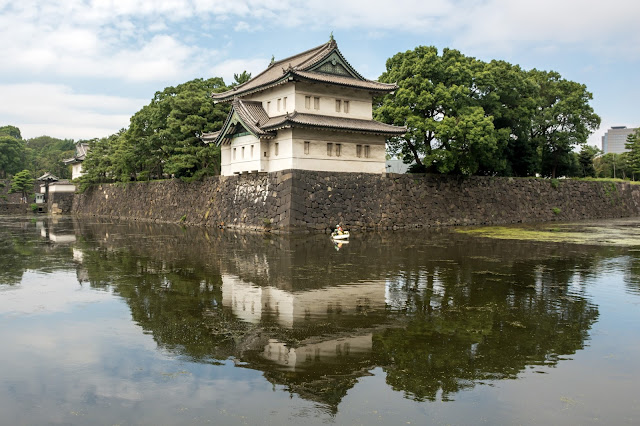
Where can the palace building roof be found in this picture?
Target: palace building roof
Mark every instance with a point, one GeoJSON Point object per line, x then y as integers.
{"type": "Point", "coordinates": [80, 155]}
{"type": "Point", "coordinates": [322, 64]}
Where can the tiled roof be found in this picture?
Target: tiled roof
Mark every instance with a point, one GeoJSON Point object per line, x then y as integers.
{"type": "Point", "coordinates": [345, 81]}
{"type": "Point", "coordinates": [300, 66]}
{"type": "Point", "coordinates": [340, 123]}
{"type": "Point", "coordinates": [209, 137]}
{"type": "Point", "coordinates": [250, 113]}
{"type": "Point", "coordinates": [48, 177]}
{"type": "Point", "coordinates": [81, 154]}
{"type": "Point", "coordinates": [81, 151]}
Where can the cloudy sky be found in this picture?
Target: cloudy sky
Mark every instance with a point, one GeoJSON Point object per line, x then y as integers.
{"type": "Point", "coordinates": [80, 68]}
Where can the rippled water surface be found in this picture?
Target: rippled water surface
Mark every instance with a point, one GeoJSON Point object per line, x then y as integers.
{"type": "Point", "coordinates": [108, 323]}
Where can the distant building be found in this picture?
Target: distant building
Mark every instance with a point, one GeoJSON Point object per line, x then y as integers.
{"type": "Point", "coordinates": [311, 111]}
{"type": "Point", "coordinates": [613, 141]}
{"type": "Point", "coordinates": [78, 158]}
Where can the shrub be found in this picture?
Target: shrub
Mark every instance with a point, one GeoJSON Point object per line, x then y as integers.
{"type": "Point", "coordinates": [556, 211]}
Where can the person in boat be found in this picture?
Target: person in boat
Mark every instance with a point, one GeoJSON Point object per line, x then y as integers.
{"type": "Point", "coordinates": [339, 230]}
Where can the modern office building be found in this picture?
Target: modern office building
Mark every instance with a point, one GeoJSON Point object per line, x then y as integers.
{"type": "Point", "coordinates": [613, 141]}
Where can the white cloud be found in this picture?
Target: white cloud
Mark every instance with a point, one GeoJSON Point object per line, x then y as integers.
{"type": "Point", "coordinates": [131, 40]}
{"type": "Point", "coordinates": [227, 68]}
{"type": "Point", "coordinates": [56, 110]}
{"type": "Point", "coordinates": [590, 25]}
{"type": "Point", "coordinates": [47, 293]}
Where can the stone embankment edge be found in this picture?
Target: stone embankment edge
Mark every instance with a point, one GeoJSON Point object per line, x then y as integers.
{"type": "Point", "coordinates": [307, 201]}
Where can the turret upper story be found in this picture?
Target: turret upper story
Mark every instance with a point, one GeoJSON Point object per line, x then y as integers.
{"type": "Point", "coordinates": [318, 81]}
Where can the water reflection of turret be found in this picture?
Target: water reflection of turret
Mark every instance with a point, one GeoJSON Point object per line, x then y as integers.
{"type": "Point", "coordinates": [253, 303]}
{"type": "Point", "coordinates": [437, 311]}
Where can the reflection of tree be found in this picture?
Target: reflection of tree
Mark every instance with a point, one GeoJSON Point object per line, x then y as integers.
{"type": "Point", "coordinates": [458, 310]}
{"type": "Point", "coordinates": [632, 275]}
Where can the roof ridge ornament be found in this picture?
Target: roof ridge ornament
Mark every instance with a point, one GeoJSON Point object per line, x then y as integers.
{"type": "Point", "coordinates": [286, 70]}
{"type": "Point", "coordinates": [273, 60]}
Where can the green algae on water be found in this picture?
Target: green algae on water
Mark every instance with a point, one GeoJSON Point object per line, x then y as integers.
{"type": "Point", "coordinates": [618, 232]}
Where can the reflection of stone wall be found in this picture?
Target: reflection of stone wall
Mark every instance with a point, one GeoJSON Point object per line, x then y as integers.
{"type": "Point", "coordinates": [305, 200]}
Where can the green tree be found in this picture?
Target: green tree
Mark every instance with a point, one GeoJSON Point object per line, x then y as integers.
{"type": "Point", "coordinates": [22, 182]}
{"type": "Point", "coordinates": [563, 119]}
{"type": "Point", "coordinates": [241, 78]}
{"type": "Point", "coordinates": [446, 129]}
{"type": "Point", "coordinates": [11, 131]}
{"type": "Point", "coordinates": [507, 94]}
{"type": "Point", "coordinates": [46, 154]}
{"type": "Point", "coordinates": [633, 155]}
{"type": "Point", "coordinates": [97, 165]}
{"type": "Point", "coordinates": [12, 155]}
{"type": "Point", "coordinates": [585, 158]}
{"type": "Point", "coordinates": [524, 122]}
{"type": "Point", "coordinates": [613, 166]}
{"type": "Point", "coordinates": [164, 136]}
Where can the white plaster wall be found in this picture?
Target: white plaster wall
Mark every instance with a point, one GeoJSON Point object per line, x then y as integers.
{"type": "Point", "coordinates": [58, 188]}
{"type": "Point", "coordinates": [76, 170]}
{"type": "Point", "coordinates": [284, 159]}
{"type": "Point", "coordinates": [242, 163]}
{"type": "Point", "coordinates": [318, 160]}
{"type": "Point", "coordinates": [360, 103]}
{"type": "Point", "coordinates": [291, 153]}
{"type": "Point", "coordinates": [272, 95]}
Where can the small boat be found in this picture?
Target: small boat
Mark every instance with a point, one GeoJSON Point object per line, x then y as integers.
{"type": "Point", "coordinates": [338, 236]}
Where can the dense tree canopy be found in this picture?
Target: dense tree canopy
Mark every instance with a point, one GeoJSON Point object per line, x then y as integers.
{"type": "Point", "coordinates": [12, 155]}
{"type": "Point", "coordinates": [163, 138]}
{"type": "Point", "coordinates": [466, 116]}
{"type": "Point", "coordinates": [38, 155]}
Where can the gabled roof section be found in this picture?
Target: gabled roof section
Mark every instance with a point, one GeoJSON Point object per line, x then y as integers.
{"type": "Point", "coordinates": [81, 154]}
{"type": "Point", "coordinates": [245, 116]}
{"type": "Point", "coordinates": [323, 64]}
{"type": "Point", "coordinates": [48, 177]}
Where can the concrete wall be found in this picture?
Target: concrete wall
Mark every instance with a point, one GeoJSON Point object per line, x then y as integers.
{"type": "Point", "coordinates": [301, 200]}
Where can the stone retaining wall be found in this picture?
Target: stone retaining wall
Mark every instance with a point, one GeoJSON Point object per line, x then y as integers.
{"type": "Point", "coordinates": [298, 200]}
{"type": "Point", "coordinates": [61, 202]}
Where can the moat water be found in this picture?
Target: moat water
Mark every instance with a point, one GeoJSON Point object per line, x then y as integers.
{"type": "Point", "coordinates": [107, 323]}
